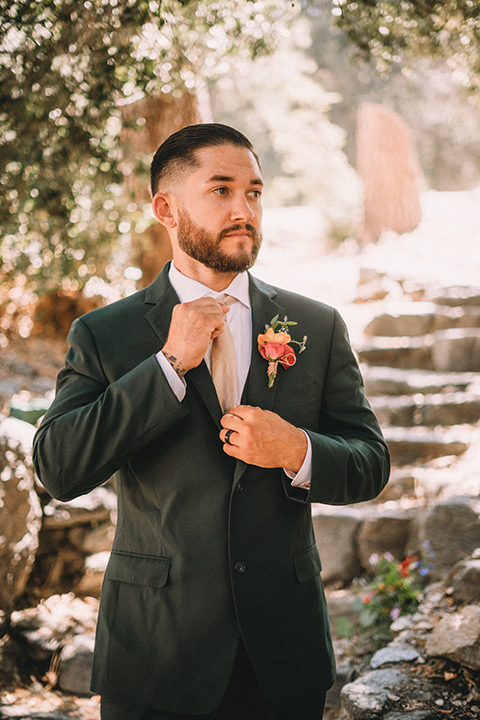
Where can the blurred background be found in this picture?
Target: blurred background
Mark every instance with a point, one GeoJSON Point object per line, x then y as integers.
{"type": "Point", "coordinates": [366, 118]}
{"type": "Point", "coordinates": [355, 109]}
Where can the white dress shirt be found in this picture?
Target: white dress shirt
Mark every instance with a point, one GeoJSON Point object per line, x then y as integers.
{"type": "Point", "coordinates": [240, 323]}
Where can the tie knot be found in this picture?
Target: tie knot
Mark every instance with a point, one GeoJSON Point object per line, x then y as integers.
{"type": "Point", "coordinates": [226, 299]}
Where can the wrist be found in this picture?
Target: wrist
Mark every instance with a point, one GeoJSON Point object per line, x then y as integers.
{"type": "Point", "coordinates": [175, 362]}
{"type": "Point", "coordinates": [297, 451]}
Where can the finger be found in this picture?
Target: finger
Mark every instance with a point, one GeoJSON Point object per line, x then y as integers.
{"type": "Point", "coordinates": [219, 329]}
{"type": "Point", "coordinates": [231, 450]}
{"type": "Point", "coordinates": [210, 304]}
{"type": "Point", "coordinates": [205, 306]}
{"type": "Point", "coordinates": [241, 411]}
{"type": "Point", "coordinates": [236, 413]}
{"type": "Point", "coordinates": [230, 421]}
{"type": "Point", "coordinates": [204, 302]}
{"type": "Point", "coordinates": [228, 436]}
{"type": "Point", "coordinates": [237, 410]}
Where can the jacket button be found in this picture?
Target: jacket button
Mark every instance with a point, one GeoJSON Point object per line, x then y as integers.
{"type": "Point", "coordinates": [238, 487]}
{"type": "Point", "coordinates": [240, 566]}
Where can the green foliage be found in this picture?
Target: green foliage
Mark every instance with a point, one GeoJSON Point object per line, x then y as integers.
{"type": "Point", "coordinates": [344, 627]}
{"type": "Point", "coordinates": [388, 31]}
{"type": "Point", "coordinates": [395, 590]}
{"type": "Point", "coordinates": [58, 127]}
{"type": "Point", "coordinates": [66, 70]}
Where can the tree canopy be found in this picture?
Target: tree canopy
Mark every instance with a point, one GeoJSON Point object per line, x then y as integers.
{"type": "Point", "coordinates": [442, 115]}
{"type": "Point", "coordinates": [391, 31]}
{"type": "Point", "coordinates": [67, 71]}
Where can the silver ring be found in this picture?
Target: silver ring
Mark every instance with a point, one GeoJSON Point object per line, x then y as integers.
{"type": "Point", "coordinates": [227, 436]}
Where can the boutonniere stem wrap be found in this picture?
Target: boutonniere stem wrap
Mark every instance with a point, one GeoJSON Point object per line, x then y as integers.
{"type": "Point", "coordinates": [275, 346]}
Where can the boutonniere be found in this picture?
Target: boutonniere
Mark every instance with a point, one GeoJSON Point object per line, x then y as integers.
{"type": "Point", "coordinates": [274, 346]}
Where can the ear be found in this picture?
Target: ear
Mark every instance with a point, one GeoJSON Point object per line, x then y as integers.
{"type": "Point", "coordinates": [163, 206]}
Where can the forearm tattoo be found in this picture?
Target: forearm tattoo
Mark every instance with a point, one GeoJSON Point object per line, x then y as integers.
{"type": "Point", "coordinates": [176, 364]}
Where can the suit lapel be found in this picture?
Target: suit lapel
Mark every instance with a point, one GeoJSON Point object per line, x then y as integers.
{"type": "Point", "coordinates": [256, 391]}
{"type": "Point", "coordinates": [264, 308]}
{"type": "Point", "coordinates": [162, 297]}
{"type": "Point", "coordinates": [200, 377]}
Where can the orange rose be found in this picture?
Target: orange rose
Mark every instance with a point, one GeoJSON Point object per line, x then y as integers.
{"type": "Point", "coordinates": [270, 336]}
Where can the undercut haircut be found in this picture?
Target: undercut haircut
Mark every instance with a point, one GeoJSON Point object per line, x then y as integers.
{"type": "Point", "coordinates": [178, 152]}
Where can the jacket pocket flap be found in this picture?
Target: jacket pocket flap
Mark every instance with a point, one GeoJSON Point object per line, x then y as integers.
{"type": "Point", "coordinates": [138, 569]}
{"type": "Point", "coordinates": [307, 564]}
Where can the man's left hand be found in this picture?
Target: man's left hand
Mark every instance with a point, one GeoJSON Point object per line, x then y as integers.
{"type": "Point", "coordinates": [260, 437]}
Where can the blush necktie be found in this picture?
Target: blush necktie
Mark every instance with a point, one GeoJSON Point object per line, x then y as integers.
{"type": "Point", "coordinates": [224, 363]}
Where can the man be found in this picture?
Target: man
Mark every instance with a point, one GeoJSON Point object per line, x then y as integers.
{"type": "Point", "coordinates": [212, 604]}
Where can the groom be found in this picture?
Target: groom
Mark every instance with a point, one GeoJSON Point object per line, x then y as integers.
{"type": "Point", "coordinates": [221, 433]}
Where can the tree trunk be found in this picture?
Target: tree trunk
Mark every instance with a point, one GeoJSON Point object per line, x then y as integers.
{"type": "Point", "coordinates": [388, 164]}
{"type": "Point", "coordinates": [161, 116]}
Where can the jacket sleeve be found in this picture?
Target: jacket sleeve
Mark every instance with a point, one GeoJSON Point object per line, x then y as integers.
{"type": "Point", "coordinates": [95, 426]}
{"type": "Point", "coordinates": [350, 458]}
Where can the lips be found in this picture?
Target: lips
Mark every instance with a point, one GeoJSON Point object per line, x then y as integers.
{"type": "Point", "coordinates": [237, 231]}
{"type": "Point", "coordinates": [240, 233]}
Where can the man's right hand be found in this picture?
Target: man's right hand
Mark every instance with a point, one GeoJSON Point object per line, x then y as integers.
{"type": "Point", "coordinates": [192, 327]}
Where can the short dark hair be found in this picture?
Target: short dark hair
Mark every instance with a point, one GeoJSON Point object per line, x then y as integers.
{"type": "Point", "coordinates": [178, 151]}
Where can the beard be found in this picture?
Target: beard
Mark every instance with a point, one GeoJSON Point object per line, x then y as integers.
{"type": "Point", "coordinates": [205, 247]}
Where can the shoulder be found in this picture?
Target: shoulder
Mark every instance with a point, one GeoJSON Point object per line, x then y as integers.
{"type": "Point", "coordinates": [129, 309]}
{"type": "Point", "coordinates": [110, 326]}
{"type": "Point", "coordinates": [295, 302]}
{"type": "Point", "coordinates": [117, 311]}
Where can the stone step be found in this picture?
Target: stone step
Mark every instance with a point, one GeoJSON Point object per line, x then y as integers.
{"type": "Point", "coordinates": [396, 381]}
{"type": "Point", "coordinates": [457, 350]}
{"type": "Point", "coordinates": [409, 446]}
{"type": "Point", "coordinates": [429, 410]}
{"type": "Point", "coordinates": [421, 318]}
{"type": "Point", "coordinates": [455, 296]}
{"type": "Point", "coordinates": [453, 350]}
{"type": "Point", "coordinates": [398, 352]}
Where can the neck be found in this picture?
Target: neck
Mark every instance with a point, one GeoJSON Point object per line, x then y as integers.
{"type": "Point", "coordinates": [212, 279]}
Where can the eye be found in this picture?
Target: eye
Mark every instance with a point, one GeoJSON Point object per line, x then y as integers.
{"type": "Point", "coordinates": [257, 194]}
{"type": "Point", "coordinates": [221, 190]}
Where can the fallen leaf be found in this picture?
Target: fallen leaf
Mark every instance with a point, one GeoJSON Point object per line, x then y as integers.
{"type": "Point", "coordinates": [449, 676]}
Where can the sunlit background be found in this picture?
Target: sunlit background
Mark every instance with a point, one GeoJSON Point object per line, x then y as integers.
{"type": "Point", "coordinates": [89, 90]}
{"type": "Point", "coordinates": [366, 118]}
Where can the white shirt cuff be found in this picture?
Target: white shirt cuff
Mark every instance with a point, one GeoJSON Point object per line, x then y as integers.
{"type": "Point", "coordinates": [304, 476]}
{"type": "Point", "coordinates": [177, 384]}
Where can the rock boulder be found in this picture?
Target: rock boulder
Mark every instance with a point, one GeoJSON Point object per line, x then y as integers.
{"type": "Point", "coordinates": [452, 529]}
{"type": "Point", "coordinates": [465, 580]}
{"type": "Point", "coordinates": [20, 512]}
{"type": "Point", "coordinates": [457, 637]}
{"type": "Point", "coordinates": [382, 533]}
{"type": "Point", "coordinates": [337, 528]}
{"type": "Point", "coordinates": [76, 661]}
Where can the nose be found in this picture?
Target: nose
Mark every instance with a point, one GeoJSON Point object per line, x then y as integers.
{"type": "Point", "coordinates": [242, 210]}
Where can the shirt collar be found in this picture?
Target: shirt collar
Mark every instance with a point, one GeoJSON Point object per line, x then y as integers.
{"type": "Point", "coordinates": [189, 289]}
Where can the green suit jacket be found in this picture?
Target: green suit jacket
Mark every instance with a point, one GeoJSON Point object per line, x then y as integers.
{"type": "Point", "coordinates": [206, 547]}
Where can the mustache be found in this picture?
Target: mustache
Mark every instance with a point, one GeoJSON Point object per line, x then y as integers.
{"type": "Point", "coordinates": [234, 228]}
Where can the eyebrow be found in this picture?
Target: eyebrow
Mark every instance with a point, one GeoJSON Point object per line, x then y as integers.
{"type": "Point", "coordinates": [228, 178]}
